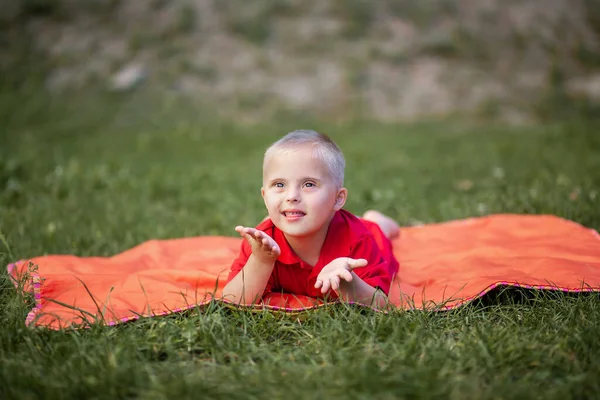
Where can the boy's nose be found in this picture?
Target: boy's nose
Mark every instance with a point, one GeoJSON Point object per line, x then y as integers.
{"type": "Point", "coordinates": [293, 196]}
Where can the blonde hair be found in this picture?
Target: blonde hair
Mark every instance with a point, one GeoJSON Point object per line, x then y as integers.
{"type": "Point", "coordinates": [325, 148]}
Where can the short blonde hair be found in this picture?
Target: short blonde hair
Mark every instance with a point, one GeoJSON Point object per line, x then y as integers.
{"type": "Point", "coordinates": [325, 148]}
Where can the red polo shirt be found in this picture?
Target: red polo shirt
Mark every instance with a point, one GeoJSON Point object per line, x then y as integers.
{"type": "Point", "coordinates": [347, 236]}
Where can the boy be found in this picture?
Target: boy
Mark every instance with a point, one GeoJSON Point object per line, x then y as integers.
{"type": "Point", "coordinates": [308, 244]}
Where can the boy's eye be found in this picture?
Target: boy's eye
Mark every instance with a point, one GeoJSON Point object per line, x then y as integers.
{"type": "Point", "coordinates": [278, 184]}
{"type": "Point", "coordinates": [309, 184]}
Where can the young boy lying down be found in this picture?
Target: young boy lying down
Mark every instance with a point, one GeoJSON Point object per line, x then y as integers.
{"type": "Point", "coordinates": [309, 245]}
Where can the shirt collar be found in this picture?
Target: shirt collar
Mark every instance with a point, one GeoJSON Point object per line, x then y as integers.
{"type": "Point", "coordinates": [288, 256]}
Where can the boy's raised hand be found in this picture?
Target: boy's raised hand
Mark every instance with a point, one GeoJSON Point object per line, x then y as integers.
{"type": "Point", "coordinates": [264, 248]}
{"type": "Point", "coordinates": [340, 268]}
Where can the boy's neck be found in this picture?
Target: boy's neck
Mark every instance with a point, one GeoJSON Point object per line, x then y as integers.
{"type": "Point", "coordinates": [308, 248]}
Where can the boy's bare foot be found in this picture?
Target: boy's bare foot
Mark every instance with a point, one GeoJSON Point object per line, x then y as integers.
{"type": "Point", "coordinates": [389, 227]}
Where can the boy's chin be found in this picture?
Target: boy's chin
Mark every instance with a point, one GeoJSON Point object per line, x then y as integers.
{"type": "Point", "coordinates": [294, 231]}
{"type": "Point", "coordinates": [298, 232]}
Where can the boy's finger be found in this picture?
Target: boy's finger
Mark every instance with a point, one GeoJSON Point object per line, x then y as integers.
{"type": "Point", "coordinates": [249, 238]}
{"type": "Point", "coordinates": [272, 248]}
{"type": "Point", "coordinates": [346, 275]}
{"type": "Point", "coordinates": [256, 235]}
{"type": "Point", "coordinates": [240, 229]}
{"type": "Point", "coordinates": [318, 283]}
{"type": "Point", "coordinates": [325, 287]}
{"type": "Point", "coordinates": [335, 283]}
{"type": "Point", "coordinates": [260, 235]}
{"type": "Point", "coordinates": [247, 233]}
{"type": "Point", "coordinates": [254, 232]}
{"type": "Point", "coordinates": [268, 242]}
{"type": "Point", "coordinates": [355, 263]}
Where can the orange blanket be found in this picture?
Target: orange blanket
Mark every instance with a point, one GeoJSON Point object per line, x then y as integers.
{"type": "Point", "coordinates": [442, 266]}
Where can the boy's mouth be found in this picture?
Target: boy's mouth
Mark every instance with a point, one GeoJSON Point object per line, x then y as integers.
{"type": "Point", "coordinates": [293, 213]}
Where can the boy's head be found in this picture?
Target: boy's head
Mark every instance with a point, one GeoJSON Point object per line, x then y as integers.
{"type": "Point", "coordinates": [303, 175]}
{"type": "Point", "coordinates": [324, 149]}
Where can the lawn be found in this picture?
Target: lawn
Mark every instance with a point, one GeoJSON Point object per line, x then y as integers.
{"type": "Point", "coordinates": [98, 177]}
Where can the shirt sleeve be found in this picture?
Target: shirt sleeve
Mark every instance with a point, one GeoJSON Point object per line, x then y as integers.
{"type": "Point", "coordinates": [377, 272]}
{"type": "Point", "coordinates": [241, 260]}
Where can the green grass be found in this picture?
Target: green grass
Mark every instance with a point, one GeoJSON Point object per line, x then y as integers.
{"type": "Point", "coordinates": [98, 177]}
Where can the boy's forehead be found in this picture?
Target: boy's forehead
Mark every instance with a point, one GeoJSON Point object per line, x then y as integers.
{"type": "Point", "coordinates": [281, 157]}
{"type": "Point", "coordinates": [286, 155]}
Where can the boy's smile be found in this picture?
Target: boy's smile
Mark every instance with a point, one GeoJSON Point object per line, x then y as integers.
{"type": "Point", "coordinates": [299, 193]}
{"type": "Point", "coordinates": [293, 215]}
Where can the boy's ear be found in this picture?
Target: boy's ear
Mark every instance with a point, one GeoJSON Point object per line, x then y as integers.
{"type": "Point", "coordinates": [340, 200]}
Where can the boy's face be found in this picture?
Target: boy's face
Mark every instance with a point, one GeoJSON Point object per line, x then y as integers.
{"type": "Point", "coordinates": [299, 192]}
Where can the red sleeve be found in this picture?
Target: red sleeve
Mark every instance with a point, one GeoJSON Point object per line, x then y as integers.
{"type": "Point", "coordinates": [377, 271]}
{"type": "Point", "coordinates": [240, 262]}
{"type": "Point", "coordinates": [385, 246]}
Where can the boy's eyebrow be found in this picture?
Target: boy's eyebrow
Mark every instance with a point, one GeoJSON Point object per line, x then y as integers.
{"type": "Point", "coordinates": [304, 178]}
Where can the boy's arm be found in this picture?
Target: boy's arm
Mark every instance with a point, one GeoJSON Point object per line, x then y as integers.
{"type": "Point", "coordinates": [360, 291]}
{"type": "Point", "coordinates": [248, 286]}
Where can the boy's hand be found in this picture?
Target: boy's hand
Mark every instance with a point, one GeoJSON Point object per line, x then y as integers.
{"type": "Point", "coordinates": [264, 248]}
{"type": "Point", "coordinates": [340, 268]}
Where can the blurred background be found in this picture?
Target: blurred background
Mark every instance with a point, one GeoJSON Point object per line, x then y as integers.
{"type": "Point", "coordinates": [514, 61]}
